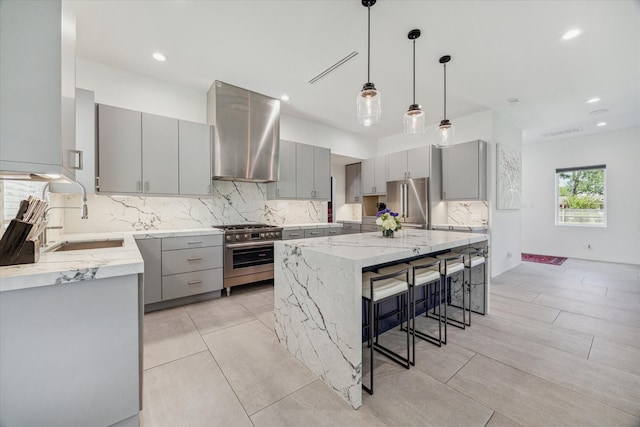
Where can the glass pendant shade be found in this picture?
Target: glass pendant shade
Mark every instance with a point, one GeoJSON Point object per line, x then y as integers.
{"type": "Point", "coordinates": [446, 133]}
{"type": "Point", "coordinates": [368, 103]}
{"type": "Point", "coordinates": [414, 122]}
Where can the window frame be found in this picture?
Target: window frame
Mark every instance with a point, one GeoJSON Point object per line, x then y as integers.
{"type": "Point", "coordinates": [558, 171]}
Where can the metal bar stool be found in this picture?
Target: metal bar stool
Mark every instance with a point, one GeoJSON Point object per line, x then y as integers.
{"type": "Point", "coordinates": [424, 273]}
{"type": "Point", "coordinates": [375, 289]}
{"type": "Point", "coordinates": [475, 257]}
{"type": "Point", "coordinates": [450, 264]}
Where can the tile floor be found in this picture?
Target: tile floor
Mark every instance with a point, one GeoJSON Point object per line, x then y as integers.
{"type": "Point", "coordinates": [561, 347]}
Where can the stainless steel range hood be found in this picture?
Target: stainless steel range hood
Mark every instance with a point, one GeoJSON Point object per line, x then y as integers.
{"type": "Point", "coordinates": [247, 134]}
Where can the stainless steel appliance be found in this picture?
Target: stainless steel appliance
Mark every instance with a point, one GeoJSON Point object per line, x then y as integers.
{"type": "Point", "coordinates": [248, 253]}
{"type": "Point", "coordinates": [409, 198]}
{"type": "Point", "coordinates": [246, 146]}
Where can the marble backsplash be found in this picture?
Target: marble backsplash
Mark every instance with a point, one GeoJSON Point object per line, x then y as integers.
{"type": "Point", "coordinates": [231, 203]}
{"type": "Point", "coordinates": [468, 213]}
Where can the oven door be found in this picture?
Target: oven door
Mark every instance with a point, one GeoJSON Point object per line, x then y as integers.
{"type": "Point", "coordinates": [247, 258]}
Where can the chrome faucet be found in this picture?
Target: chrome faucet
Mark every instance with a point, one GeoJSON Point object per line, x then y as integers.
{"type": "Point", "coordinates": [84, 209]}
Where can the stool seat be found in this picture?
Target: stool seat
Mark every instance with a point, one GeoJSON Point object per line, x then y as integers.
{"type": "Point", "coordinates": [383, 288]}
{"type": "Point", "coordinates": [448, 267]}
{"type": "Point", "coordinates": [473, 261]}
{"type": "Point", "coordinates": [423, 276]}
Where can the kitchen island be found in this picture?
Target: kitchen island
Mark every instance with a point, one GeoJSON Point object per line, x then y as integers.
{"type": "Point", "coordinates": [318, 296]}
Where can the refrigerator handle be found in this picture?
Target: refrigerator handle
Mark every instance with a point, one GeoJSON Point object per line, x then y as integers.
{"type": "Point", "coordinates": [406, 201]}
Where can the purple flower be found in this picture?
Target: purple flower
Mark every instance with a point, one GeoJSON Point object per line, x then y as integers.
{"type": "Point", "coordinates": [394, 214]}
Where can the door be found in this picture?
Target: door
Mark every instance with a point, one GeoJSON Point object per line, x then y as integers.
{"type": "Point", "coordinates": [286, 185]}
{"type": "Point", "coordinates": [304, 171]}
{"type": "Point", "coordinates": [418, 162]}
{"type": "Point", "coordinates": [159, 154]}
{"type": "Point", "coordinates": [119, 150]}
{"type": "Point", "coordinates": [397, 165]}
{"type": "Point", "coordinates": [194, 158]}
{"type": "Point", "coordinates": [321, 173]}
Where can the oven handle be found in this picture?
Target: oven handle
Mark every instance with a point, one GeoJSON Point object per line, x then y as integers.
{"type": "Point", "coordinates": [249, 245]}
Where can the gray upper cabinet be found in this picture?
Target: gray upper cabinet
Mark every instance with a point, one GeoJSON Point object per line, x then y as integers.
{"type": "Point", "coordinates": [373, 176]}
{"type": "Point", "coordinates": [407, 164]}
{"type": "Point", "coordinates": [464, 171]}
{"type": "Point", "coordinates": [194, 154]}
{"type": "Point", "coordinates": [159, 154]}
{"type": "Point", "coordinates": [37, 88]}
{"type": "Point", "coordinates": [353, 184]}
{"type": "Point", "coordinates": [285, 187]}
{"type": "Point", "coordinates": [119, 150]}
{"type": "Point", "coordinates": [312, 173]}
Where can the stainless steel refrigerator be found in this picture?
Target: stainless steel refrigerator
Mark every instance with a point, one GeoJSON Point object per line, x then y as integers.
{"type": "Point", "coordinates": [409, 198]}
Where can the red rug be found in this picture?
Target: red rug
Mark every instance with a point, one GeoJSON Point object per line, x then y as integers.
{"type": "Point", "coordinates": [543, 259]}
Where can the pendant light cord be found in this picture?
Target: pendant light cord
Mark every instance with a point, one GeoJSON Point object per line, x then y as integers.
{"type": "Point", "coordinates": [445, 91]}
{"type": "Point", "coordinates": [368, 42]}
{"type": "Point", "coordinates": [414, 71]}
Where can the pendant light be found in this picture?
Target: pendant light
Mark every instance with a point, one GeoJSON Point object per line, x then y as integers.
{"type": "Point", "coordinates": [414, 117]}
{"type": "Point", "coordinates": [446, 131]}
{"type": "Point", "coordinates": [368, 101]}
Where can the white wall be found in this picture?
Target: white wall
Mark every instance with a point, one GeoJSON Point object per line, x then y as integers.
{"type": "Point", "coordinates": [620, 240]}
{"type": "Point", "coordinates": [340, 142]}
{"type": "Point", "coordinates": [121, 88]}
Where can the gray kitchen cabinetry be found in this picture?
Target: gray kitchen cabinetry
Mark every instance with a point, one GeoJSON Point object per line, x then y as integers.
{"type": "Point", "coordinates": [285, 187]}
{"type": "Point", "coordinates": [119, 150]}
{"type": "Point", "coordinates": [310, 232]}
{"type": "Point", "coordinates": [407, 164]}
{"type": "Point", "coordinates": [332, 231]}
{"type": "Point", "coordinates": [292, 234]}
{"type": "Point", "coordinates": [191, 265]}
{"type": "Point", "coordinates": [350, 228]}
{"type": "Point", "coordinates": [373, 176]}
{"type": "Point", "coordinates": [194, 157]}
{"type": "Point", "coordinates": [313, 172]}
{"type": "Point", "coordinates": [313, 232]}
{"type": "Point", "coordinates": [159, 154]}
{"type": "Point", "coordinates": [37, 87]}
{"type": "Point", "coordinates": [353, 184]}
{"type": "Point", "coordinates": [151, 250]}
{"type": "Point", "coordinates": [464, 171]}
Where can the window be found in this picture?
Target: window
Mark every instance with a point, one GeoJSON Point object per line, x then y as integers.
{"type": "Point", "coordinates": [581, 196]}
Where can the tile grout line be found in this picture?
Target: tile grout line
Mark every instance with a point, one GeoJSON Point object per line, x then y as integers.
{"type": "Point", "coordinates": [175, 360]}
{"type": "Point", "coordinates": [461, 367]}
{"type": "Point", "coordinates": [590, 347]}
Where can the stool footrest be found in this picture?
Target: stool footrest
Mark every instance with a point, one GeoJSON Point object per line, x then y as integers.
{"type": "Point", "coordinates": [392, 355]}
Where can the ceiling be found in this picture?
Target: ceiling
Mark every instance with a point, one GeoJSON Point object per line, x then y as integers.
{"type": "Point", "coordinates": [501, 50]}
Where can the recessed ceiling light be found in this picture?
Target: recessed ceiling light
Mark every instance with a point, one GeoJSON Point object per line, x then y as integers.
{"type": "Point", "coordinates": [285, 97]}
{"type": "Point", "coordinates": [572, 34]}
{"type": "Point", "coordinates": [601, 124]}
{"type": "Point", "coordinates": [593, 100]}
{"type": "Point", "coordinates": [159, 57]}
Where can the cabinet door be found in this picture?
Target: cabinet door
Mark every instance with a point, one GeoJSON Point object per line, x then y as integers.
{"type": "Point", "coordinates": [397, 163]}
{"type": "Point", "coordinates": [380, 182]}
{"type": "Point", "coordinates": [304, 171]}
{"type": "Point", "coordinates": [367, 176]}
{"type": "Point", "coordinates": [418, 162]}
{"type": "Point", "coordinates": [353, 185]}
{"type": "Point", "coordinates": [119, 150]}
{"type": "Point", "coordinates": [151, 254]}
{"type": "Point", "coordinates": [159, 154]}
{"type": "Point", "coordinates": [286, 185]}
{"type": "Point", "coordinates": [322, 173]}
{"type": "Point", "coordinates": [194, 154]}
{"type": "Point", "coordinates": [461, 172]}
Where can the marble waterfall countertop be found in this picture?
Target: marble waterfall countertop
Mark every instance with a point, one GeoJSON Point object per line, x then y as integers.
{"type": "Point", "coordinates": [55, 268]}
{"type": "Point", "coordinates": [318, 296]}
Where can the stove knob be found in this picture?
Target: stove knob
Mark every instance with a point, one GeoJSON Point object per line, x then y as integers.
{"type": "Point", "coordinates": [277, 234]}
{"type": "Point", "coordinates": [269, 235]}
{"type": "Point", "coordinates": [237, 237]}
{"type": "Point", "coordinates": [262, 235]}
{"type": "Point", "coordinates": [229, 237]}
{"type": "Point", "coordinates": [246, 237]}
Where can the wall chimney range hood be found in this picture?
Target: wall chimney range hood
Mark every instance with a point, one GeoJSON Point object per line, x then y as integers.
{"type": "Point", "coordinates": [246, 145]}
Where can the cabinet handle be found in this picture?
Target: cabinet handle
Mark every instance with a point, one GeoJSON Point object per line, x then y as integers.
{"type": "Point", "coordinates": [79, 158]}
{"type": "Point", "coordinates": [293, 234]}
{"type": "Point", "coordinates": [194, 282]}
{"type": "Point", "coordinates": [194, 258]}
{"type": "Point", "coordinates": [138, 186]}
{"type": "Point", "coordinates": [314, 232]}
{"type": "Point", "coordinates": [262, 254]}
{"type": "Point", "coordinates": [195, 242]}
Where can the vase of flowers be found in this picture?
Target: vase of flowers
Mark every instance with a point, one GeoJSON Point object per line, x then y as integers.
{"type": "Point", "coordinates": [388, 221]}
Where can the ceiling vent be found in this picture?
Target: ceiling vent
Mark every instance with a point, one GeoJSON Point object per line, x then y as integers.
{"type": "Point", "coordinates": [333, 67]}
{"type": "Point", "coordinates": [562, 132]}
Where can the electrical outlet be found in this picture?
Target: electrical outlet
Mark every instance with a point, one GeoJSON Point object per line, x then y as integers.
{"type": "Point", "coordinates": [588, 245]}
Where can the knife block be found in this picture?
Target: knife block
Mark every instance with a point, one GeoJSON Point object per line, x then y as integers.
{"type": "Point", "coordinates": [14, 246]}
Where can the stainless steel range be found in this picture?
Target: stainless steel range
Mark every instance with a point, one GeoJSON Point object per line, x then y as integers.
{"type": "Point", "coordinates": [248, 254]}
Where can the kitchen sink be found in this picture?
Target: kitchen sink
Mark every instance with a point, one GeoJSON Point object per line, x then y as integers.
{"type": "Point", "coordinates": [86, 244]}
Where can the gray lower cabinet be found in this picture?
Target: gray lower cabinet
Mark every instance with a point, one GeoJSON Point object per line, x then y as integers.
{"type": "Point", "coordinates": [310, 232]}
{"type": "Point", "coordinates": [350, 228]}
{"type": "Point", "coordinates": [292, 234]}
{"type": "Point", "coordinates": [313, 232]}
{"type": "Point", "coordinates": [333, 231]}
{"type": "Point", "coordinates": [151, 250]}
{"type": "Point", "coordinates": [176, 267]}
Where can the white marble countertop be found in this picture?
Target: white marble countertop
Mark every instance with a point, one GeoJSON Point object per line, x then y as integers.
{"type": "Point", "coordinates": [349, 221]}
{"type": "Point", "coordinates": [311, 225]}
{"type": "Point", "coordinates": [371, 248]}
{"type": "Point", "coordinates": [460, 227]}
{"type": "Point", "coordinates": [55, 268]}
